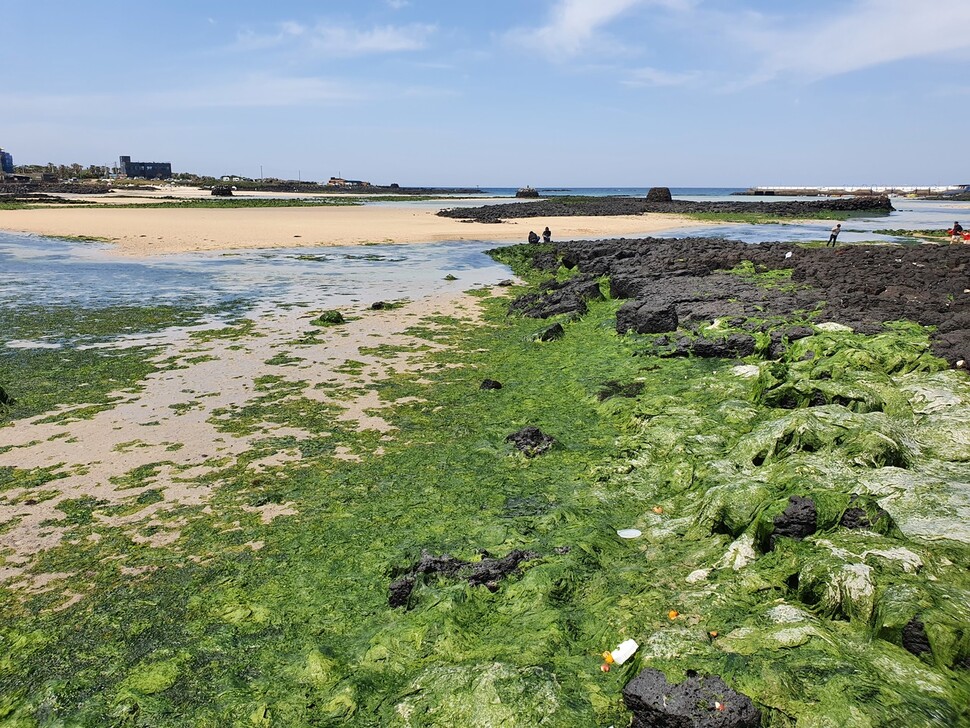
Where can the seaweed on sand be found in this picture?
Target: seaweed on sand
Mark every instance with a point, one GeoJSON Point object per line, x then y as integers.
{"type": "Point", "coordinates": [298, 632]}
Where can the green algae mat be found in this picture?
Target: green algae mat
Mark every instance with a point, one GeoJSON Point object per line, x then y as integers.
{"type": "Point", "coordinates": [247, 621]}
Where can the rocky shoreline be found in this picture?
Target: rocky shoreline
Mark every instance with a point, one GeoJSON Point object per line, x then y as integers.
{"type": "Point", "coordinates": [860, 286]}
{"type": "Point", "coordinates": [602, 206]}
{"type": "Point", "coordinates": [829, 482]}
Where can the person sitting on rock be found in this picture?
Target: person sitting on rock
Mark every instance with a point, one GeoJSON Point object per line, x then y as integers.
{"type": "Point", "coordinates": [533, 238]}
{"type": "Point", "coordinates": [547, 235]}
{"type": "Point", "coordinates": [956, 234]}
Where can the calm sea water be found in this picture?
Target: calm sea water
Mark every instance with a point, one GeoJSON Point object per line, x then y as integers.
{"type": "Point", "coordinates": [48, 271]}
{"type": "Point", "coordinates": [59, 272]}
{"type": "Point", "coordinates": [682, 192]}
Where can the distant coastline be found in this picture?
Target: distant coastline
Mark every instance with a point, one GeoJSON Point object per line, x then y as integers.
{"type": "Point", "coordinates": [914, 190]}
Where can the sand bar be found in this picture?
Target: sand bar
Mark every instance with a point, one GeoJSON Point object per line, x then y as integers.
{"type": "Point", "coordinates": [151, 231]}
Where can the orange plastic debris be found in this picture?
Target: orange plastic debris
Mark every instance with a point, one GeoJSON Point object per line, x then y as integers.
{"type": "Point", "coordinates": [658, 510]}
{"type": "Point", "coordinates": [673, 614]}
{"type": "Point", "coordinates": [604, 667]}
{"type": "Point", "coordinates": [608, 657]}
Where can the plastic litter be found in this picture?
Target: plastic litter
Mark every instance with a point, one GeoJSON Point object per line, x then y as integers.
{"type": "Point", "coordinates": [629, 533]}
{"type": "Point", "coordinates": [624, 651]}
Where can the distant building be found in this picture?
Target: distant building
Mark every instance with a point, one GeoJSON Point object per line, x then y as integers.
{"type": "Point", "coordinates": [341, 182]}
{"type": "Point", "coordinates": [235, 178]}
{"type": "Point", "coordinates": [6, 162]}
{"type": "Point", "coordinates": [147, 170]}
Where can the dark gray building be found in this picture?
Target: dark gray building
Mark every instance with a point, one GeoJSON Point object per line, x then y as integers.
{"type": "Point", "coordinates": [6, 162]}
{"type": "Point", "coordinates": [148, 170]}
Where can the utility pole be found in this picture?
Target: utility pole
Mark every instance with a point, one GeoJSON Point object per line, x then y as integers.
{"type": "Point", "coordinates": [260, 173]}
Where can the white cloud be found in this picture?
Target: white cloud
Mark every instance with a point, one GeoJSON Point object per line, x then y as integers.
{"type": "Point", "coordinates": [574, 24]}
{"type": "Point", "coordinates": [327, 39]}
{"type": "Point", "coordinates": [869, 33]}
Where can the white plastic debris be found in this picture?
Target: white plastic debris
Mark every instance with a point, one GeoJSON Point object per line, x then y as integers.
{"type": "Point", "coordinates": [625, 651]}
{"type": "Point", "coordinates": [788, 254]}
{"type": "Point", "coordinates": [629, 533]}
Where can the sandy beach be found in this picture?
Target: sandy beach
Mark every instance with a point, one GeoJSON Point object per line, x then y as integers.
{"type": "Point", "coordinates": [152, 231]}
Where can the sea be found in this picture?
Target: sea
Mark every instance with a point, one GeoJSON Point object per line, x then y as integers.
{"type": "Point", "coordinates": [684, 193]}
{"type": "Point", "coordinates": [39, 270]}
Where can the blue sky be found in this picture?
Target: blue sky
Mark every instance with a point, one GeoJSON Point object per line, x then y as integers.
{"type": "Point", "coordinates": [497, 93]}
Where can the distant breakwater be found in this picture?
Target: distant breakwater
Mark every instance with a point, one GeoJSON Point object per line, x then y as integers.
{"type": "Point", "coordinates": [605, 206]}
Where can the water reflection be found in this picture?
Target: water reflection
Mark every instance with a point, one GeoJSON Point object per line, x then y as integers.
{"type": "Point", "coordinates": [59, 272]}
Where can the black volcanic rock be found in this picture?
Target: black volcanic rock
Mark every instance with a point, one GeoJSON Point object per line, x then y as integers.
{"type": "Point", "coordinates": [645, 319]}
{"type": "Point", "coordinates": [914, 637]}
{"type": "Point", "coordinates": [697, 702]}
{"type": "Point", "coordinates": [799, 519]}
{"type": "Point", "coordinates": [531, 440]}
{"type": "Point", "coordinates": [861, 286]}
{"type": "Point", "coordinates": [598, 206]}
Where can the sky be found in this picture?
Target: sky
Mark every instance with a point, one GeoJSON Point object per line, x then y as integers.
{"type": "Point", "coordinates": [702, 93]}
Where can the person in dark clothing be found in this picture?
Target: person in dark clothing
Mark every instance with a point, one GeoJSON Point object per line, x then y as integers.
{"type": "Point", "coordinates": [833, 234]}
{"type": "Point", "coordinates": [533, 238]}
{"type": "Point", "coordinates": [547, 235]}
{"type": "Point", "coordinates": [956, 234]}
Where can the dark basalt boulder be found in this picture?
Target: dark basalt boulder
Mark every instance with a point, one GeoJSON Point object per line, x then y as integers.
{"type": "Point", "coordinates": [400, 591]}
{"type": "Point", "coordinates": [5, 399]}
{"type": "Point", "coordinates": [531, 440]}
{"type": "Point", "coordinates": [527, 192]}
{"type": "Point", "coordinates": [645, 318]}
{"type": "Point", "coordinates": [222, 191]}
{"type": "Point", "coordinates": [490, 384]}
{"type": "Point", "coordinates": [698, 702]}
{"type": "Point", "coordinates": [798, 520]}
{"type": "Point", "coordinates": [555, 298]}
{"type": "Point", "coordinates": [914, 637]}
{"type": "Point", "coordinates": [735, 346]}
{"type": "Point", "coordinates": [659, 194]}
{"type": "Point", "coordinates": [554, 332]}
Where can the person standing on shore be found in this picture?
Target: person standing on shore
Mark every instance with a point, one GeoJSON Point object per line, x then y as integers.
{"type": "Point", "coordinates": [956, 234]}
{"type": "Point", "coordinates": [547, 235]}
{"type": "Point", "coordinates": [833, 234]}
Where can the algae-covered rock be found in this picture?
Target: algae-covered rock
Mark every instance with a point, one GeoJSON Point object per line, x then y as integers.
{"type": "Point", "coordinates": [871, 439]}
{"type": "Point", "coordinates": [329, 318]}
{"type": "Point", "coordinates": [491, 694]}
{"type": "Point", "coordinates": [5, 399]}
{"type": "Point", "coordinates": [926, 620]}
{"type": "Point", "coordinates": [487, 572]}
{"type": "Point", "coordinates": [865, 513]}
{"type": "Point", "coordinates": [553, 333]}
{"type": "Point", "coordinates": [531, 440]}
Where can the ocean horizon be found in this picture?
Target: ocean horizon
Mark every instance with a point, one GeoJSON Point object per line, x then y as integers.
{"type": "Point", "coordinates": [611, 191]}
